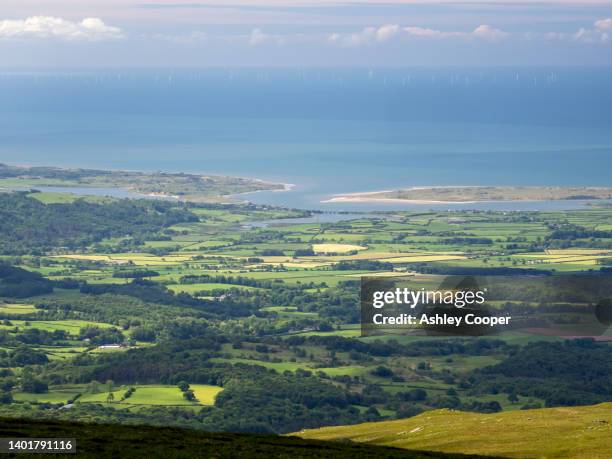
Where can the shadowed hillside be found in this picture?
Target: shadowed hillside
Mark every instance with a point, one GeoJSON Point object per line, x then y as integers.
{"type": "Point", "coordinates": [100, 441]}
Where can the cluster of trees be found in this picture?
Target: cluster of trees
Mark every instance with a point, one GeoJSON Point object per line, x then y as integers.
{"type": "Point", "coordinates": [430, 347]}
{"type": "Point", "coordinates": [184, 357]}
{"type": "Point", "coordinates": [574, 372]}
{"type": "Point", "coordinates": [436, 268]}
{"type": "Point", "coordinates": [272, 253]}
{"type": "Point", "coordinates": [363, 265]}
{"type": "Point", "coordinates": [128, 393]}
{"type": "Point", "coordinates": [572, 232]}
{"type": "Point", "coordinates": [99, 336]}
{"type": "Point", "coordinates": [37, 336]}
{"type": "Point", "coordinates": [152, 292]}
{"type": "Point", "coordinates": [564, 235]}
{"type": "Point", "coordinates": [280, 403]}
{"type": "Point", "coordinates": [121, 310]}
{"type": "Point", "coordinates": [19, 283]}
{"type": "Point", "coordinates": [188, 394]}
{"type": "Point", "coordinates": [135, 273]}
{"type": "Point", "coordinates": [22, 356]}
{"type": "Point", "coordinates": [27, 226]}
{"type": "Point", "coordinates": [466, 241]}
{"type": "Point", "coordinates": [340, 303]}
{"type": "Point", "coordinates": [144, 333]}
{"type": "Point", "coordinates": [231, 280]}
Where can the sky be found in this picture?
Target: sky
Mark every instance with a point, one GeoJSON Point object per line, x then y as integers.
{"type": "Point", "coordinates": [301, 33]}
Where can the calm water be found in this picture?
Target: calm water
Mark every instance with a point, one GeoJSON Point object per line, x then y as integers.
{"type": "Point", "coordinates": [326, 131]}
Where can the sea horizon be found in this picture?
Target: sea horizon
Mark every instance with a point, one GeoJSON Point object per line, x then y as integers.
{"type": "Point", "coordinates": [328, 131]}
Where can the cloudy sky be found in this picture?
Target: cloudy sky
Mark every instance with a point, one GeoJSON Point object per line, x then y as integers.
{"type": "Point", "coordinates": [84, 33]}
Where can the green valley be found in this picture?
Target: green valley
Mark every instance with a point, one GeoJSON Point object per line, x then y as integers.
{"type": "Point", "coordinates": [241, 317]}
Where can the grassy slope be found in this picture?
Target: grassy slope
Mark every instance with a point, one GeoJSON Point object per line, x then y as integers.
{"type": "Point", "coordinates": [100, 441]}
{"type": "Point", "coordinates": [584, 432]}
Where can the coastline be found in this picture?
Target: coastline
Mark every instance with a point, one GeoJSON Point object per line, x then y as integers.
{"type": "Point", "coordinates": [177, 186]}
{"type": "Point", "coordinates": [286, 187]}
{"type": "Point", "coordinates": [381, 196]}
{"type": "Point", "coordinates": [362, 197]}
{"type": "Point", "coordinates": [358, 199]}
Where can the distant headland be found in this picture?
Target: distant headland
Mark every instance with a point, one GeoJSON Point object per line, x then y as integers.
{"type": "Point", "coordinates": [179, 186]}
{"type": "Point", "coordinates": [473, 194]}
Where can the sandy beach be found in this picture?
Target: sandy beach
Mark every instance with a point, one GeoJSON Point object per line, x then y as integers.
{"type": "Point", "coordinates": [479, 194]}
{"type": "Point", "coordinates": [393, 200]}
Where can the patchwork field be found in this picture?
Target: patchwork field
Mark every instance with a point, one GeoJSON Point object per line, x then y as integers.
{"type": "Point", "coordinates": [587, 257]}
{"type": "Point", "coordinates": [268, 307]}
{"type": "Point", "coordinates": [150, 395]}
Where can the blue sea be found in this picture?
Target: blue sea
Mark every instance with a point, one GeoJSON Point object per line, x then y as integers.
{"type": "Point", "coordinates": [326, 131]}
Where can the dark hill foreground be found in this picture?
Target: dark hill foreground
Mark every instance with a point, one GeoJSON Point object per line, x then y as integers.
{"type": "Point", "coordinates": [101, 441]}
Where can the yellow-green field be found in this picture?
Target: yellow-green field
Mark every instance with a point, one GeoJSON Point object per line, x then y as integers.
{"type": "Point", "coordinates": [138, 259]}
{"type": "Point", "coordinates": [379, 274]}
{"type": "Point", "coordinates": [587, 257]}
{"type": "Point", "coordinates": [392, 257]}
{"type": "Point", "coordinates": [143, 395]}
{"type": "Point", "coordinates": [16, 308]}
{"type": "Point", "coordinates": [205, 394]}
{"type": "Point", "coordinates": [575, 251]}
{"type": "Point", "coordinates": [573, 432]}
{"type": "Point", "coordinates": [72, 326]}
{"type": "Point", "coordinates": [336, 248]}
{"type": "Point", "coordinates": [423, 258]}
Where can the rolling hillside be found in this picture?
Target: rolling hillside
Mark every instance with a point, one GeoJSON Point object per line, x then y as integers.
{"type": "Point", "coordinates": [112, 441]}
{"type": "Point", "coordinates": [571, 432]}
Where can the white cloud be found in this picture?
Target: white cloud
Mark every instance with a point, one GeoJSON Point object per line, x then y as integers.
{"type": "Point", "coordinates": [585, 35]}
{"type": "Point", "coordinates": [604, 24]}
{"type": "Point", "coordinates": [371, 35]}
{"type": "Point", "coordinates": [259, 37]}
{"type": "Point", "coordinates": [487, 32]}
{"type": "Point", "coordinates": [425, 33]}
{"type": "Point", "coordinates": [54, 27]}
{"type": "Point", "coordinates": [387, 32]}
{"type": "Point", "coordinates": [599, 34]}
{"type": "Point", "coordinates": [366, 36]}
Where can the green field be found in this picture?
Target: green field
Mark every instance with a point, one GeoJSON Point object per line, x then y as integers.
{"type": "Point", "coordinates": [209, 287]}
{"type": "Point", "coordinates": [154, 395]}
{"type": "Point", "coordinates": [17, 308]}
{"type": "Point", "coordinates": [70, 326]}
{"type": "Point", "coordinates": [56, 395]}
